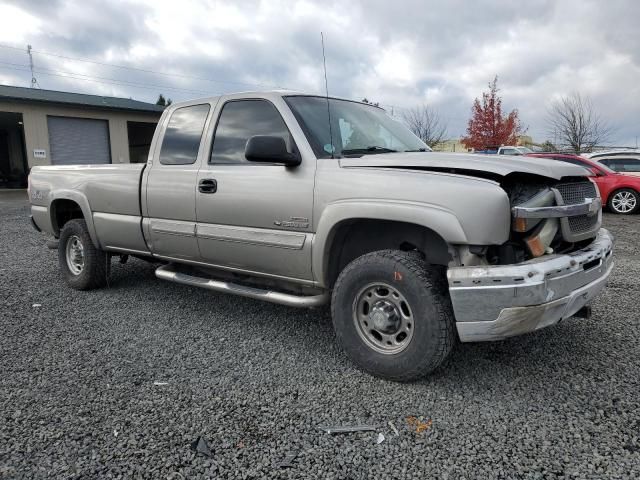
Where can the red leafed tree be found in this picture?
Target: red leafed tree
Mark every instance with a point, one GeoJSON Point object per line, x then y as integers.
{"type": "Point", "coordinates": [488, 128]}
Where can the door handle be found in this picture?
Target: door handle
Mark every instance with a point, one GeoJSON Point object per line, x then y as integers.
{"type": "Point", "coordinates": [208, 185]}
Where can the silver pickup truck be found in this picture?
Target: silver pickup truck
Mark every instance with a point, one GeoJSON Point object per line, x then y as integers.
{"type": "Point", "coordinates": [303, 200]}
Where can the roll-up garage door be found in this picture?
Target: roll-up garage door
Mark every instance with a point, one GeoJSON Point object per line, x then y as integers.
{"type": "Point", "coordinates": [78, 141]}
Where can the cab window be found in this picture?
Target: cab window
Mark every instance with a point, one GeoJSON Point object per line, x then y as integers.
{"type": "Point", "coordinates": [183, 134]}
{"type": "Point", "coordinates": [239, 121]}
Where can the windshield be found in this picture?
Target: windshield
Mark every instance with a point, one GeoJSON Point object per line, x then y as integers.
{"type": "Point", "coordinates": [356, 128]}
{"type": "Point", "coordinates": [604, 167]}
{"type": "Point", "coordinates": [524, 150]}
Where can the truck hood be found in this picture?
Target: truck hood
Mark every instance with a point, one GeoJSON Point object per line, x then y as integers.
{"type": "Point", "coordinates": [485, 166]}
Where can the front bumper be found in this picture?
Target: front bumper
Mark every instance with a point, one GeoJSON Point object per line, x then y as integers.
{"type": "Point", "coordinates": [495, 302]}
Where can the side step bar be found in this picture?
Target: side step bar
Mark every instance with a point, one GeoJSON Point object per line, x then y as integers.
{"type": "Point", "coordinates": [166, 272]}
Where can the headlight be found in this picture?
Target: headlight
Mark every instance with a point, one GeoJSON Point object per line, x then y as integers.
{"type": "Point", "coordinates": [539, 242]}
{"type": "Point", "coordinates": [545, 198]}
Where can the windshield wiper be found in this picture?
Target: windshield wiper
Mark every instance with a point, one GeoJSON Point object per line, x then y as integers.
{"type": "Point", "coordinates": [365, 150]}
{"type": "Point", "coordinates": [417, 150]}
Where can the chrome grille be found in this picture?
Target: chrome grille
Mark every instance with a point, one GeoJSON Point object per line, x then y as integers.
{"type": "Point", "coordinates": [574, 193]}
{"type": "Point", "coordinates": [579, 226]}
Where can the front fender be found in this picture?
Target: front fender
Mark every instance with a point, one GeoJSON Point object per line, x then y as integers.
{"type": "Point", "coordinates": [435, 217]}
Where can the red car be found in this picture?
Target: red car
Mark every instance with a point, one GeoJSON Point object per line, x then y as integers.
{"type": "Point", "coordinates": [620, 192]}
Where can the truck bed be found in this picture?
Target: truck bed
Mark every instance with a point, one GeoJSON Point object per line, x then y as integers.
{"type": "Point", "coordinates": [108, 188]}
{"type": "Point", "coordinates": [108, 195]}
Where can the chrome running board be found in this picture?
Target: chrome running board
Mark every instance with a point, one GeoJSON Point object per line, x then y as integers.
{"type": "Point", "coordinates": [166, 272]}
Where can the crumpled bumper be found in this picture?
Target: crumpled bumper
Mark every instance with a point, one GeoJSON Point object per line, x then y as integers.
{"type": "Point", "coordinates": [495, 302]}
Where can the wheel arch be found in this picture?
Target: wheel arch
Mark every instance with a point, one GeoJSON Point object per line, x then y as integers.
{"type": "Point", "coordinates": [625, 186]}
{"type": "Point", "coordinates": [67, 206]}
{"type": "Point", "coordinates": [350, 229]}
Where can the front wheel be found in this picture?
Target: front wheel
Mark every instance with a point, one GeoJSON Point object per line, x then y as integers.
{"type": "Point", "coordinates": [624, 201]}
{"type": "Point", "coordinates": [392, 315]}
{"type": "Point", "coordinates": [83, 266]}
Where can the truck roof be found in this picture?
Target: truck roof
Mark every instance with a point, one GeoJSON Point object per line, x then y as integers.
{"type": "Point", "coordinates": [276, 93]}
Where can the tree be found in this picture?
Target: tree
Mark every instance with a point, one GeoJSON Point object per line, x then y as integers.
{"type": "Point", "coordinates": [427, 124]}
{"type": "Point", "coordinates": [163, 102]}
{"type": "Point", "coordinates": [575, 124]}
{"type": "Point", "coordinates": [487, 127]}
{"type": "Point", "coordinates": [364, 100]}
{"type": "Point", "coordinates": [548, 146]}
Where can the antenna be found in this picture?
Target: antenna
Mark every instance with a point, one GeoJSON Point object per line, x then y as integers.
{"type": "Point", "coordinates": [326, 89]}
{"type": "Point", "coordinates": [34, 82]}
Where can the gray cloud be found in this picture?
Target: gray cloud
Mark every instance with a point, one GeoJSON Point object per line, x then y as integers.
{"type": "Point", "coordinates": [398, 53]}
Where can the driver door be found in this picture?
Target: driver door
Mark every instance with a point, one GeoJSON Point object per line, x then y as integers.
{"type": "Point", "coordinates": [254, 217]}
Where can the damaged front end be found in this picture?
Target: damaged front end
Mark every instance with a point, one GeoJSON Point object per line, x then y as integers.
{"type": "Point", "coordinates": [557, 259]}
{"type": "Point", "coordinates": [548, 217]}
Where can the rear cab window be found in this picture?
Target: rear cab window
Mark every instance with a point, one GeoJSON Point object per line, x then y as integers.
{"type": "Point", "coordinates": [182, 137]}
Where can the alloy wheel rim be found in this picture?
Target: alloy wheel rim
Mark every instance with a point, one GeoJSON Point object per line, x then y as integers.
{"type": "Point", "coordinates": [383, 318]}
{"type": "Point", "coordinates": [624, 202]}
{"type": "Point", "coordinates": [75, 254]}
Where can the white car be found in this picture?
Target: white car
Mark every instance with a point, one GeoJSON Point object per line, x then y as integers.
{"type": "Point", "coordinates": [627, 162]}
{"type": "Point", "coordinates": [511, 150]}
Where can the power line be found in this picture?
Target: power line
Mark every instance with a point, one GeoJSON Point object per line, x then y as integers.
{"type": "Point", "coordinates": [145, 86]}
{"type": "Point", "coordinates": [155, 72]}
{"type": "Point", "coordinates": [116, 83]}
{"type": "Point", "coordinates": [112, 81]}
{"type": "Point", "coordinates": [106, 64]}
{"type": "Point", "coordinates": [97, 79]}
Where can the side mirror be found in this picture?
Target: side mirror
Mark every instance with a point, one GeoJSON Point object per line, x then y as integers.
{"type": "Point", "coordinates": [270, 149]}
{"type": "Point", "coordinates": [596, 172]}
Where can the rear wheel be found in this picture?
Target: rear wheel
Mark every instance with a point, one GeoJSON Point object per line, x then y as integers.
{"type": "Point", "coordinates": [624, 201]}
{"type": "Point", "coordinates": [392, 315]}
{"type": "Point", "coordinates": [83, 266]}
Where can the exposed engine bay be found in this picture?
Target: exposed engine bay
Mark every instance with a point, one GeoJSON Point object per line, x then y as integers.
{"type": "Point", "coordinates": [534, 233]}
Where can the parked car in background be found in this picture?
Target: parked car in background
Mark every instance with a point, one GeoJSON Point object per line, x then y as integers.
{"type": "Point", "coordinates": [611, 153]}
{"type": "Point", "coordinates": [628, 164]}
{"type": "Point", "coordinates": [505, 150]}
{"type": "Point", "coordinates": [620, 192]}
{"type": "Point", "coordinates": [510, 150]}
{"type": "Point", "coordinates": [625, 161]}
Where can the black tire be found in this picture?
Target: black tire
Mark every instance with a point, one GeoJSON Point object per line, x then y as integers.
{"type": "Point", "coordinates": [425, 290]}
{"type": "Point", "coordinates": [619, 209]}
{"type": "Point", "coordinates": [95, 262]}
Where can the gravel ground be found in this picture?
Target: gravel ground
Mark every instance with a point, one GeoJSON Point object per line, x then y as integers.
{"type": "Point", "coordinates": [78, 399]}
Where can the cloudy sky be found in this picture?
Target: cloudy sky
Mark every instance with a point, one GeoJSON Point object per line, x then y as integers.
{"type": "Point", "coordinates": [399, 53]}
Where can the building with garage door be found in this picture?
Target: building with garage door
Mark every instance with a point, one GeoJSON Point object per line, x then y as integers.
{"type": "Point", "coordinates": [46, 127]}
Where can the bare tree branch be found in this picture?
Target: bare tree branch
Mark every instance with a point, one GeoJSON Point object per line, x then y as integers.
{"type": "Point", "coordinates": [427, 125]}
{"type": "Point", "coordinates": [575, 124]}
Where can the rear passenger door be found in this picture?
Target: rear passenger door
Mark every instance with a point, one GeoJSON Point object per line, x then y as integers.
{"type": "Point", "coordinates": [170, 226]}
{"type": "Point", "coordinates": [258, 218]}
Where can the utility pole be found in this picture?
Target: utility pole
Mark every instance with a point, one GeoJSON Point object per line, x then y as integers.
{"type": "Point", "coordinates": [34, 82]}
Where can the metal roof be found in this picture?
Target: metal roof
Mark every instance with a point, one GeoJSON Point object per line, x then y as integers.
{"type": "Point", "coordinates": [77, 99]}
